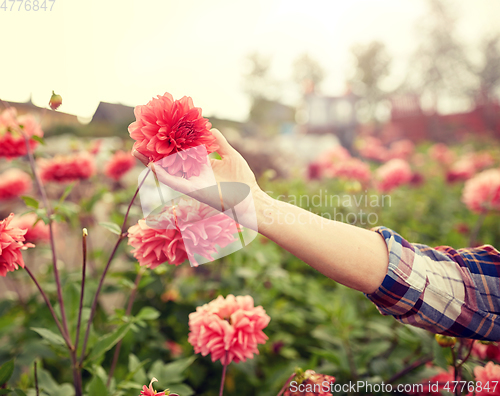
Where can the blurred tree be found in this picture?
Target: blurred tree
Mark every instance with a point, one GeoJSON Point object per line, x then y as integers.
{"type": "Point", "coordinates": [488, 71]}
{"type": "Point", "coordinates": [372, 66]}
{"type": "Point", "coordinates": [258, 83]}
{"type": "Point", "coordinates": [307, 73]}
{"type": "Point", "coordinates": [440, 62]}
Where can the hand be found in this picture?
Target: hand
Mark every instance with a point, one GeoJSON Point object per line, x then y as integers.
{"type": "Point", "coordinates": [234, 177]}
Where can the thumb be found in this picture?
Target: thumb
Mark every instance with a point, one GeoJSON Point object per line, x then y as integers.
{"type": "Point", "coordinates": [225, 148]}
{"type": "Point", "coordinates": [141, 157]}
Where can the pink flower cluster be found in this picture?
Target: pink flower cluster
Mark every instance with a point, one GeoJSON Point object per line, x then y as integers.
{"type": "Point", "coordinates": [441, 153]}
{"type": "Point", "coordinates": [228, 329]}
{"type": "Point", "coordinates": [12, 142]}
{"type": "Point", "coordinates": [119, 164]}
{"type": "Point", "coordinates": [373, 149]}
{"type": "Point", "coordinates": [393, 174]}
{"type": "Point", "coordinates": [68, 168]}
{"type": "Point", "coordinates": [482, 192]}
{"type": "Point", "coordinates": [468, 166]}
{"type": "Point", "coordinates": [12, 242]}
{"type": "Point", "coordinates": [14, 183]}
{"type": "Point", "coordinates": [180, 232]}
{"type": "Point", "coordinates": [165, 126]}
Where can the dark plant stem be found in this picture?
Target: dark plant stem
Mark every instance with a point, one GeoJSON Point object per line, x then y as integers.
{"type": "Point", "coordinates": [49, 305]}
{"type": "Point", "coordinates": [84, 269]}
{"type": "Point", "coordinates": [282, 390]}
{"type": "Point", "coordinates": [466, 356]}
{"type": "Point", "coordinates": [455, 370]}
{"type": "Point", "coordinates": [36, 380]}
{"type": "Point", "coordinates": [122, 236]}
{"type": "Point", "coordinates": [416, 364]}
{"type": "Point", "coordinates": [477, 227]}
{"type": "Point", "coordinates": [52, 243]}
{"type": "Point", "coordinates": [221, 391]}
{"type": "Point", "coordinates": [127, 312]}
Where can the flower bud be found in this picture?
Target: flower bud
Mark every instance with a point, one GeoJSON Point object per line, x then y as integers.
{"type": "Point", "coordinates": [55, 101]}
{"type": "Point", "coordinates": [445, 341]}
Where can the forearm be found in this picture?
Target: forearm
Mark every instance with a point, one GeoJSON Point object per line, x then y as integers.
{"type": "Point", "coordinates": [350, 255]}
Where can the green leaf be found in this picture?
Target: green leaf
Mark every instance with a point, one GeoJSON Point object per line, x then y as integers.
{"type": "Point", "coordinates": [97, 387]}
{"type": "Point", "coordinates": [50, 387]}
{"type": "Point", "coordinates": [107, 342]}
{"type": "Point", "coordinates": [29, 201]}
{"type": "Point", "coordinates": [19, 392]}
{"type": "Point", "coordinates": [6, 371]}
{"type": "Point", "coordinates": [66, 192]}
{"type": "Point", "coordinates": [148, 313]}
{"type": "Point", "coordinates": [39, 139]}
{"type": "Point", "coordinates": [5, 391]}
{"type": "Point", "coordinates": [50, 336]}
{"type": "Point", "coordinates": [181, 389]}
{"type": "Point", "coordinates": [171, 373]}
{"type": "Point", "coordinates": [113, 227]}
{"type": "Point", "coordinates": [440, 355]}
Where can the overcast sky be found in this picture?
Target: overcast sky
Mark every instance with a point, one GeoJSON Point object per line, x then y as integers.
{"type": "Point", "coordinates": [126, 51]}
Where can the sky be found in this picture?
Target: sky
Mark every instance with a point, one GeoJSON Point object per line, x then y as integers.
{"type": "Point", "coordinates": [129, 51]}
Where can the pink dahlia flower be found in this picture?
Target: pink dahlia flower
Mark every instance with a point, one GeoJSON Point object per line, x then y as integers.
{"type": "Point", "coordinates": [119, 164]}
{"type": "Point", "coordinates": [165, 126]}
{"type": "Point", "coordinates": [393, 174]}
{"type": "Point", "coordinates": [11, 244]}
{"type": "Point", "coordinates": [149, 391]}
{"type": "Point", "coordinates": [12, 143]}
{"type": "Point", "coordinates": [14, 183]}
{"type": "Point", "coordinates": [442, 379]}
{"type": "Point", "coordinates": [486, 351]}
{"type": "Point", "coordinates": [402, 149]}
{"type": "Point", "coordinates": [69, 168]}
{"type": "Point", "coordinates": [488, 374]}
{"type": "Point", "coordinates": [180, 232]}
{"type": "Point", "coordinates": [36, 231]}
{"type": "Point", "coordinates": [352, 169]}
{"type": "Point", "coordinates": [373, 149]}
{"type": "Point", "coordinates": [229, 329]}
{"type": "Point", "coordinates": [441, 153]}
{"type": "Point", "coordinates": [482, 192]}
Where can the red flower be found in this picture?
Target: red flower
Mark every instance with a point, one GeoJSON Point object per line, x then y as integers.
{"type": "Point", "coordinates": [393, 174]}
{"type": "Point", "coordinates": [352, 169]}
{"type": "Point", "coordinates": [55, 101]}
{"type": "Point", "coordinates": [38, 232]}
{"type": "Point", "coordinates": [373, 149]}
{"type": "Point", "coordinates": [180, 232]}
{"type": "Point", "coordinates": [11, 244]}
{"type": "Point", "coordinates": [435, 384]}
{"type": "Point", "coordinates": [486, 352]}
{"type": "Point", "coordinates": [228, 327]}
{"type": "Point", "coordinates": [150, 391]}
{"type": "Point", "coordinates": [119, 164]}
{"type": "Point", "coordinates": [12, 143]}
{"type": "Point", "coordinates": [65, 169]}
{"type": "Point", "coordinates": [165, 126]}
{"type": "Point", "coordinates": [489, 376]}
{"type": "Point", "coordinates": [402, 149]}
{"type": "Point", "coordinates": [14, 183]}
{"type": "Point", "coordinates": [482, 192]}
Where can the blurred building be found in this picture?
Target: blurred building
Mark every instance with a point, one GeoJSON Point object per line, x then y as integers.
{"type": "Point", "coordinates": [334, 115]}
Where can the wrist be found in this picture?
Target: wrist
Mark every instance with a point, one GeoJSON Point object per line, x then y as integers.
{"type": "Point", "coordinates": [264, 206]}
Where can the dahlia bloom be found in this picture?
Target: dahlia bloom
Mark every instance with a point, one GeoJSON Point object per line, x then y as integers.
{"type": "Point", "coordinates": [442, 378]}
{"type": "Point", "coordinates": [119, 164]}
{"type": "Point", "coordinates": [486, 351]}
{"type": "Point", "coordinates": [491, 373]}
{"type": "Point", "coordinates": [12, 142]}
{"type": "Point", "coordinates": [11, 244]}
{"type": "Point", "coordinates": [165, 126]}
{"type": "Point", "coordinates": [402, 149]}
{"type": "Point", "coordinates": [14, 183]}
{"type": "Point", "coordinates": [180, 232]}
{"type": "Point", "coordinates": [441, 153]}
{"type": "Point", "coordinates": [373, 149]}
{"type": "Point", "coordinates": [393, 174]}
{"type": "Point", "coordinates": [482, 192]}
{"type": "Point", "coordinates": [35, 231]}
{"type": "Point", "coordinates": [150, 391]}
{"type": "Point", "coordinates": [229, 329]}
{"type": "Point", "coordinates": [352, 169]}
{"type": "Point", "coordinates": [69, 168]}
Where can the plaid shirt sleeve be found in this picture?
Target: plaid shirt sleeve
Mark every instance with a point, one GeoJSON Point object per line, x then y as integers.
{"type": "Point", "coordinates": [446, 291]}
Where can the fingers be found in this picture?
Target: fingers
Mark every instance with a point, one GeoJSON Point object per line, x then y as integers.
{"type": "Point", "coordinates": [224, 147]}
{"type": "Point", "coordinates": [141, 157]}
